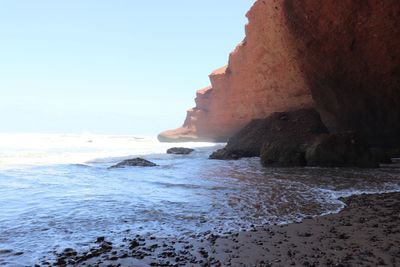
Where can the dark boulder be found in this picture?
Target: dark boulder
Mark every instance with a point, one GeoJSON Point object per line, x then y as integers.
{"type": "Point", "coordinates": [283, 154]}
{"type": "Point", "coordinates": [225, 154]}
{"type": "Point", "coordinates": [340, 150]}
{"type": "Point", "coordinates": [297, 138]}
{"type": "Point", "coordinates": [137, 162]}
{"type": "Point", "coordinates": [281, 130]}
{"type": "Point", "coordinates": [180, 151]}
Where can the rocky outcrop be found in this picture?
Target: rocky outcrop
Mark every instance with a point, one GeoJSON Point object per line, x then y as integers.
{"type": "Point", "coordinates": [350, 53]}
{"type": "Point", "coordinates": [295, 129]}
{"type": "Point", "coordinates": [180, 150]}
{"type": "Point", "coordinates": [137, 162]}
{"type": "Point", "coordinates": [262, 77]}
{"type": "Point", "coordinates": [297, 138]}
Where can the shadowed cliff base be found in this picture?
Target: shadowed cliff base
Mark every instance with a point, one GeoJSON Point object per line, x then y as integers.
{"type": "Point", "coordinates": [297, 138]}
{"type": "Point", "coordinates": [297, 128]}
{"type": "Point", "coordinates": [365, 233]}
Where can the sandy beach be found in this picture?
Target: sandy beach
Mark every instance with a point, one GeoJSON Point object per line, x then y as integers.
{"type": "Point", "coordinates": [365, 233]}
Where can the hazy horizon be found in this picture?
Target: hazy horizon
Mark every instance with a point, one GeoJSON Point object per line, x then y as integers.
{"type": "Point", "coordinates": [120, 67]}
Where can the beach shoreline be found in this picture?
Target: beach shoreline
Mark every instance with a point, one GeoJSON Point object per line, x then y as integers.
{"type": "Point", "coordinates": [365, 233]}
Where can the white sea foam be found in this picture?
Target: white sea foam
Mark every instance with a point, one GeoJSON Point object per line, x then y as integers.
{"type": "Point", "coordinates": [45, 149]}
{"type": "Point", "coordinates": [56, 191]}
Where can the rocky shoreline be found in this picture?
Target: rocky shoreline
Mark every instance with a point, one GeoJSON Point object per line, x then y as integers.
{"type": "Point", "coordinates": [299, 138]}
{"type": "Point", "coordinates": [365, 233]}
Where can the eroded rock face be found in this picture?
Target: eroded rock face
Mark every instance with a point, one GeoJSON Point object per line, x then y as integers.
{"type": "Point", "coordinates": [350, 52]}
{"type": "Point", "coordinates": [262, 77]}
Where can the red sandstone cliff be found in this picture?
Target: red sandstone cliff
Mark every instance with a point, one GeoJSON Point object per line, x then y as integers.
{"type": "Point", "coordinates": [262, 77]}
{"type": "Point", "coordinates": [343, 57]}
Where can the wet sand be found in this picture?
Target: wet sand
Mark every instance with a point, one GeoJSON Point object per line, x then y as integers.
{"type": "Point", "coordinates": [365, 233]}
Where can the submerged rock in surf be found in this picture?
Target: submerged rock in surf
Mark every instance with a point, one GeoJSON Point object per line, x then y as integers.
{"type": "Point", "coordinates": [137, 162]}
{"type": "Point", "coordinates": [180, 150]}
{"type": "Point", "coordinates": [226, 154]}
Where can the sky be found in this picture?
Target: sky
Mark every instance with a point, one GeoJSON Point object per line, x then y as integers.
{"type": "Point", "coordinates": [110, 66]}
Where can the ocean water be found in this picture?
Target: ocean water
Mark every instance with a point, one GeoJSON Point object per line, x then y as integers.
{"type": "Point", "coordinates": [56, 191]}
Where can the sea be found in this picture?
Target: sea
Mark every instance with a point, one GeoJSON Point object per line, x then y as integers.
{"type": "Point", "coordinates": [57, 191]}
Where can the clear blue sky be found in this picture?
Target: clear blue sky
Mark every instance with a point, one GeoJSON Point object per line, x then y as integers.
{"type": "Point", "coordinates": [110, 66]}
